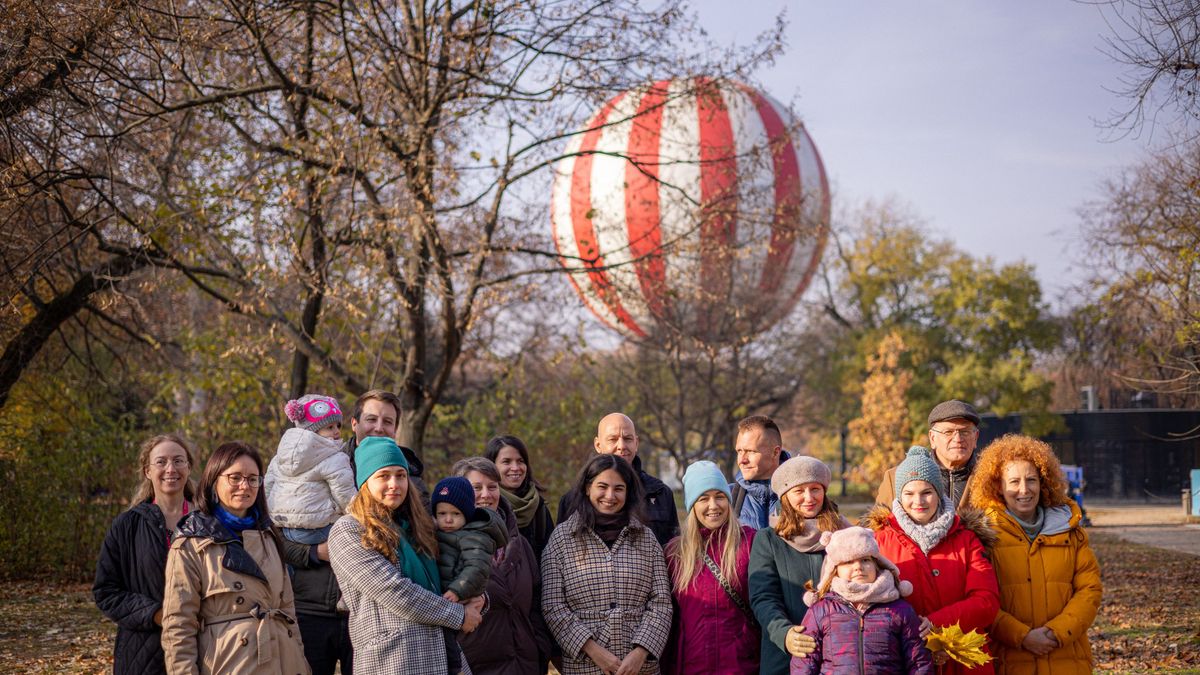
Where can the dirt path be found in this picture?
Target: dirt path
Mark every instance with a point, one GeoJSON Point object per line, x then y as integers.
{"type": "Point", "coordinates": [1158, 526]}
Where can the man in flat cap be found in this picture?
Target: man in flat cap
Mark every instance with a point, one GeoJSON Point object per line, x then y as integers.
{"type": "Point", "coordinates": [953, 433]}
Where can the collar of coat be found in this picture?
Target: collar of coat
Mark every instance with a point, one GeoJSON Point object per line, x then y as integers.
{"type": "Point", "coordinates": [975, 520]}
{"type": "Point", "coordinates": [208, 530]}
{"type": "Point", "coordinates": [575, 523]}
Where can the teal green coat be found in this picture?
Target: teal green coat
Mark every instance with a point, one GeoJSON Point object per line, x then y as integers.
{"type": "Point", "coordinates": [778, 573]}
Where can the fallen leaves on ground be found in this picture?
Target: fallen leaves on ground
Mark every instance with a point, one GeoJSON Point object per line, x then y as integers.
{"type": "Point", "coordinates": [1149, 621]}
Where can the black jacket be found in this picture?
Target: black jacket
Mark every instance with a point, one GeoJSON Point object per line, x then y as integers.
{"type": "Point", "coordinates": [661, 516]}
{"type": "Point", "coordinates": [537, 532]}
{"type": "Point", "coordinates": [130, 577]}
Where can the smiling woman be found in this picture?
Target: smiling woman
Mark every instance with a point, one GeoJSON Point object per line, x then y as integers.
{"type": "Point", "coordinates": [521, 489]}
{"type": "Point", "coordinates": [228, 605]}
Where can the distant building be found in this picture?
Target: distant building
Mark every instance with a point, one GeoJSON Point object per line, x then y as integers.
{"type": "Point", "coordinates": [1136, 453]}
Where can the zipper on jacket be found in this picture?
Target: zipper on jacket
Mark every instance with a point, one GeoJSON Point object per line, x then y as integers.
{"type": "Point", "coordinates": [862, 665]}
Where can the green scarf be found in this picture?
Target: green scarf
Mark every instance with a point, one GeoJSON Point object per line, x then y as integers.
{"type": "Point", "coordinates": [418, 567]}
{"type": "Point", "coordinates": [525, 507]}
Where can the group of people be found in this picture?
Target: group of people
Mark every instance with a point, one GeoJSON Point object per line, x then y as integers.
{"type": "Point", "coordinates": [338, 554]}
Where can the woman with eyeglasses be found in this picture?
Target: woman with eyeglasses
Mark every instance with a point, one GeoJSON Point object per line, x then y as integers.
{"type": "Point", "coordinates": [129, 574]}
{"type": "Point", "coordinates": [228, 605]}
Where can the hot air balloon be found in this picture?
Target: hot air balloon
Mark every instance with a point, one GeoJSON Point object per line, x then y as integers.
{"type": "Point", "coordinates": [691, 206]}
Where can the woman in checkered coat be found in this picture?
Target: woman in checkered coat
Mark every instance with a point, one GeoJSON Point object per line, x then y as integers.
{"type": "Point", "coordinates": [383, 554]}
{"type": "Point", "coordinates": [605, 592]}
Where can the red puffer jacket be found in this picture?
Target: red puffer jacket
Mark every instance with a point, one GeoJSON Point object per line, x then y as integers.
{"type": "Point", "coordinates": [955, 583]}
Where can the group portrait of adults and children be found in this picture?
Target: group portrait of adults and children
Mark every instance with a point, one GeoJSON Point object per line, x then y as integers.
{"type": "Point", "coordinates": [337, 551]}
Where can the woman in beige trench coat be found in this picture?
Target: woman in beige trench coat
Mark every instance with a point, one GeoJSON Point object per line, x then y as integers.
{"type": "Point", "coordinates": [228, 605]}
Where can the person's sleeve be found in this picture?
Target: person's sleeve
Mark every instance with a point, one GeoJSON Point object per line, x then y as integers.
{"type": "Point", "coordinates": [301, 556]}
{"type": "Point", "coordinates": [570, 633]}
{"type": "Point", "coordinates": [981, 594]}
{"type": "Point", "coordinates": [886, 493]}
{"type": "Point", "coordinates": [181, 611]}
{"type": "Point", "coordinates": [1074, 620]}
{"type": "Point", "coordinates": [917, 657]}
{"type": "Point", "coordinates": [564, 507]}
{"type": "Point", "coordinates": [655, 627]}
{"type": "Point", "coordinates": [341, 481]}
{"type": "Point", "coordinates": [379, 579]}
{"type": "Point", "coordinates": [126, 607]}
{"type": "Point", "coordinates": [766, 592]}
{"type": "Point", "coordinates": [810, 664]}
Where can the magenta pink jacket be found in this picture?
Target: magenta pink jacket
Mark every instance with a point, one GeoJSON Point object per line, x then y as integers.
{"type": "Point", "coordinates": [709, 633]}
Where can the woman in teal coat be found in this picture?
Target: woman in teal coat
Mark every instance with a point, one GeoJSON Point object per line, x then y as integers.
{"type": "Point", "coordinates": [788, 555]}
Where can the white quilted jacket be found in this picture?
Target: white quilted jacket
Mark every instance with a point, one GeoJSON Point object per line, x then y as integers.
{"type": "Point", "coordinates": [309, 482]}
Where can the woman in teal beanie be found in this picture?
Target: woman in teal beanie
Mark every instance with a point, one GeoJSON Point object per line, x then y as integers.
{"type": "Point", "coordinates": [383, 552]}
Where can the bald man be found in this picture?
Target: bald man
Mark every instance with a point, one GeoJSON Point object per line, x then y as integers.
{"type": "Point", "coordinates": [616, 435]}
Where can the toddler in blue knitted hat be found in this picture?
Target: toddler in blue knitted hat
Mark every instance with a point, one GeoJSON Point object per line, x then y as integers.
{"type": "Point", "coordinates": [467, 536]}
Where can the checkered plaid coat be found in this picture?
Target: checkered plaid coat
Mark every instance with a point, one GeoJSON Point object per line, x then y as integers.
{"type": "Point", "coordinates": [620, 598]}
{"type": "Point", "coordinates": [395, 625]}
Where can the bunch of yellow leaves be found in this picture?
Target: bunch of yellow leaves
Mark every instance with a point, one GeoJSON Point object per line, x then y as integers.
{"type": "Point", "coordinates": [966, 648]}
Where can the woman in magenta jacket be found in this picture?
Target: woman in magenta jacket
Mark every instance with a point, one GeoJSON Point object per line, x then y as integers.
{"type": "Point", "coordinates": [940, 553]}
{"type": "Point", "coordinates": [713, 630]}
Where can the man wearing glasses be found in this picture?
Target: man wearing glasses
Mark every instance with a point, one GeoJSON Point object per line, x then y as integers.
{"type": "Point", "coordinates": [953, 433]}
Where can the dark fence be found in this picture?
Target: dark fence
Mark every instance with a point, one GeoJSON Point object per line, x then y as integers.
{"type": "Point", "coordinates": [1125, 454]}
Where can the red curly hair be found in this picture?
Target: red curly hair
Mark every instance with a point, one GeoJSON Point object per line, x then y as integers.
{"type": "Point", "coordinates": [987, 478]}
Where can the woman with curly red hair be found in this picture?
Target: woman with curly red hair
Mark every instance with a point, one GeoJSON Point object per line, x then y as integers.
{"type": "Point", "coordinates": [1049, 579]}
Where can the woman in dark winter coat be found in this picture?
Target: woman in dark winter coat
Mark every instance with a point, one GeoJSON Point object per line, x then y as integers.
{"type": "Point", "coordinates": [857, 614]}
{"type": "Point", "coordinates": [513, 638]}
{"type": "Point", "coordinates": [940, 552]}
{"type": "Point", "coordinates": [788, 556]}
{"type": "Point", "coordinates": [522, 491]}
{"type": "Point", "coordinates": [130, 572]}
{"type": "Point", "coordinates": [709, 571]}
{"type": "Point", "coordinates": [605, 591]}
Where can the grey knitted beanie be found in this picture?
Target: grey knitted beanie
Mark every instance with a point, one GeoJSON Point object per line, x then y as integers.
{"type": "Point", "coordinates": [919, 464]}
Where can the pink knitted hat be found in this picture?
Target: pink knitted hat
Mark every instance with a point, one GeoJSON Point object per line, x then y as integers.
{"type": "Point", "coordinates": [848, 545]}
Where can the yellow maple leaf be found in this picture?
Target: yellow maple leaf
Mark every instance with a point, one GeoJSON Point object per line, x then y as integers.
{"type": "Point", "coordinates": [966, 648]}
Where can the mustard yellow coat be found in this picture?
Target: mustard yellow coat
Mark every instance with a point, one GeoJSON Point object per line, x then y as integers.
{"type": "Point", "coordinates": [1053, 581]}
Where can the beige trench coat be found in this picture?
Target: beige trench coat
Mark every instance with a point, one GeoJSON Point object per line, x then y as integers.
{"type": "Point", "coordinates": [222, 620]}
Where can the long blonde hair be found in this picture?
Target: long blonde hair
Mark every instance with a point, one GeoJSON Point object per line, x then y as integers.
{"type": "Point", "coordinates": [145, 488]}
{"type": "Point", "coordinates": [688, 551]}
{"type": "Point", "coordinates": [380, 531]}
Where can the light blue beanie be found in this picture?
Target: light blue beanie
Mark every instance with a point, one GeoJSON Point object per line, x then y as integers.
{"type": "Point", "coordinates": [920, 465]}
{"type": "Point", "coordinates": [701, 477]}
{"type": "Point", "coordinates": [374, 453]}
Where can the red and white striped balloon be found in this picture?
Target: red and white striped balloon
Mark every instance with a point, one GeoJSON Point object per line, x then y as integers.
{"type": "Point", "coordinates": [692, 205]}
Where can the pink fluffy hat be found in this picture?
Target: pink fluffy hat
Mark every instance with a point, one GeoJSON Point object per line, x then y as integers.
{"type": "Point", "coordinates": [849, 545]}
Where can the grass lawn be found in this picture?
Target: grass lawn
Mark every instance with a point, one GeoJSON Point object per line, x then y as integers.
{"type": "Point", "coordinates": [1149, 621]}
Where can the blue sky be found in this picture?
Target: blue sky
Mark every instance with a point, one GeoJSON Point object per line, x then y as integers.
{"type": "Point", "coordinates": [981, 116]}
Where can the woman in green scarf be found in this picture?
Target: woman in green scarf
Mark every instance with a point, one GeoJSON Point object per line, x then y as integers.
{"type": "Point", "coordinates": [523, 493]}
{"type": "Point", "coordinates": [383, 552]}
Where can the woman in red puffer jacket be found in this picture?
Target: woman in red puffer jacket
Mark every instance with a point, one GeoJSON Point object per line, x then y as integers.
{"type": "Point", "coordinates": [940, 553]}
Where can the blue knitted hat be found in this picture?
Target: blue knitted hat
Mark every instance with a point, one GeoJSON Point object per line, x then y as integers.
{"type": "Point", "coordinates": [457, 492]}
{"type": "Point", "coordinates": [701, 477]}
{"type": "Point", "coordinates": [920, 465]}
{"type": "Point", "coordinates": [374, 453]}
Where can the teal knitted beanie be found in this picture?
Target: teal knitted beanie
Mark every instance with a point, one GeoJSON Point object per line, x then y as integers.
{"type": "Point", "coordinates": [374, 453]}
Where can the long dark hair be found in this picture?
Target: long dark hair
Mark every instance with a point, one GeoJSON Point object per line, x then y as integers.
{"type": "Point", "coordinates": [498, 443]}
{"type": "Point", "coordinates": [634, 492]}
{"type": "Point", "coordinates": [220, 461]}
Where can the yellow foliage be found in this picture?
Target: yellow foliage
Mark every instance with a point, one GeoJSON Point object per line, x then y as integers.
{"type": "Point", "coordinates": [883, 429]}
{"type": "Point", "coordinates": [966, 648]}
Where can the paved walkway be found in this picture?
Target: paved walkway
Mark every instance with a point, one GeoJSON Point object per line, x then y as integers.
{"type": "Point", "coordinates": [1181, 538]}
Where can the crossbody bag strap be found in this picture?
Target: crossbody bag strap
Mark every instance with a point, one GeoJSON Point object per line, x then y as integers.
{"type": "Point", "coordinates": [733, 595]}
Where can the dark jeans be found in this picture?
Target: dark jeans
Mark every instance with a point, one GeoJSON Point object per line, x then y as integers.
{"type": "Point", "coordinates": [326, 641]}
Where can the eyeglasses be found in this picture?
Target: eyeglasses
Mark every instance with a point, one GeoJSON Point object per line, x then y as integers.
{"type": "Point", "coordinates": [951, 433]}
{"type": "Point", "coordinates": [236, 479]}
{"type": "Point", "coordinates": [163, 462]}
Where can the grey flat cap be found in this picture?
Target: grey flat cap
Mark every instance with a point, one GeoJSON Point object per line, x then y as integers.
{"type": "Point", "coordinates": [948, 410]}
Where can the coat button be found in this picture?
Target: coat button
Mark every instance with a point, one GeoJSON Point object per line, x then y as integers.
{"type": "Point", "coordinates": [237, 586]}
{"type": "Point", "coordinates": [612, 605]}
{"type": "Point", "coordinates": [245, 642]}
{"type": "Point", "coordinates": [289, 632]}
{"type": "Point", "coordinates": [935, 573]}
{"type": "Point", "coordinates": [239, 600]}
